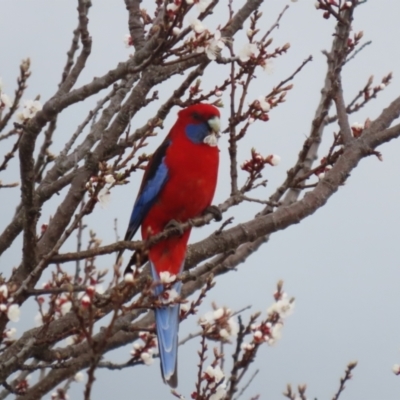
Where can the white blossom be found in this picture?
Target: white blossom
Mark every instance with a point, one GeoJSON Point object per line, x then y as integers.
{"type": "Point", "coordinates": [10, 332]}
{"type": "Point", "coordinates": [176, 31]}
{"type": "Point", "coordinates": [357, 126]}
{"type": "Point", "coordinates": [218, 313]}
{"type": "Point", "coordinates": [250, 32]}
{"type": "Point", "coordinates": [189, 2]}
{"type": "Point", "coordinates": [38, 319]}
{"type": "Point", "coordinates": [167, 277]}
{"type": "Point", "coordinates": [276, 331]}
{"type": "Point", "coordinates": [233, 326]}
{"type": "Point", "coordinates": [216, 377]}
{"type": "Point", "coordinates": [4, 290]}
{"type": "Point", "coordinates": [247, 51]}
{"type": "Point", "coordinates": [215, 373]}
{"type": "Point", "coordinates": [200, 49]}
{"type": "Point", "coordinates": [247, 346]}
{"type": "Point", "coordinates": [1, 84]}
{"type": "Point", "coordinates": [185, 307]}
{"type": "Point", "coordinates": [268, 67]}
{"type": "Point", "coordinates": [147, 358]}
{"type": "Point", "coordinates": [104, 197]}
{"type": "Point", "coordinates": [207, 318]}
{"type": "Point", "coordinates": [219, 394]}
{"type": "Point", "coordinates": [13, 313]}
{"type": "Point", "coordinates": [128, 277]}
{"type": "Point", "coordinates": [137, 346]}
{"type": "Point", "coordinates": [31, 107]}
{"type": "Point", "coordinates": [86, 300]}
{"type": "Point", "coordinates": [5, 100]}
{"type": "Point", "coordinates": [169, 296]}
{"type": "Point", "coordinates": [316, 4]}
{"type": "Point", "coordinates": [215, 45]}
{"type": "Point", "coordinates": [274, 160]}
{"type": "Point", "coordinates": [396, 369]}
{"type": "Point", "coordinates": [265, 106]}
{"type": "Point", "coordinates": [348, 4]}
{"type": "Point", "coordinates": [79, 377]}
{"type": "Point", "coordinates": [66, 307]}
{"type": "Point", "coordinates": [284, 307]}
{"type": "Point", "coordinates": [224, 334]}
{"type": "Point", "coordinates": [172, 7]}
{"type": "Point", "coordinates": [197, 26]}
{"type": "Point", "coordinates": [109, 178]}
{"type": "Point", "coordinates": [257, 334]}
{"type": "Point", "coordinates": [3, 307]}
{"type": "Point", "coordinates": [321, 175]}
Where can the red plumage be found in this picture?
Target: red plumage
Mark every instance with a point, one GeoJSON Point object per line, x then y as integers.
{"type": "Point", "coordinates": [193, 172]}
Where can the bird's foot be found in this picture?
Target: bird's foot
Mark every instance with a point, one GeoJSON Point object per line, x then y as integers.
{"type": "Point", "coordinates": [215, 211]}
{"type": "Point", "coordinates": [174, 224]}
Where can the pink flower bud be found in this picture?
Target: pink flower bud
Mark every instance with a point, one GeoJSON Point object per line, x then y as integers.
{"type": "Point", "coordinates": [90, 290]}
{"type": "Point", "coordinates": [85, 301]}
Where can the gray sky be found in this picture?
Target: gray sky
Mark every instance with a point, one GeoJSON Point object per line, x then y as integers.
{"type": "Point", "coordinates": [341, 264]}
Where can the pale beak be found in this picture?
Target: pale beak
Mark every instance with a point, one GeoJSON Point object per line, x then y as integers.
{"type": "Point", "coordinates": [215, 125]}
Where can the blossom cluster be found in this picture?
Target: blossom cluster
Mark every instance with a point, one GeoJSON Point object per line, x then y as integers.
{"type": "Point", "coordinates": [169, 295]}
{"type": "Point", "coordinates": [219, 324]}
{"type": "Point", "coordinates": [144, 351]}
{"type": "Point", "coordinates": [104, 194]}
{"type": "Point", "coordinates": [257, 162]}
{"type": "Point", "coordinates": [270, 330]}
{"type": "Point", "coordinates": [61, 304]}
{"type": "Point", "coordinates": [22, 385]}
{"type": "Point", "coordinates": [322, 169]}
{"type": "Point", "coordinates": [327, 5]}
{"type": "Point", "coordinates": [8, 307]}
{"type": "Point", "coordinates": [29, 110]}
{"type": "Point", "coordinates": [216, 384]}
{"type": "Point", "coordinates": [203, 40]}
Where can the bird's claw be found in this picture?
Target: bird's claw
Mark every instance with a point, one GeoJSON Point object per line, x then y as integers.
{"type": "Point", "coordinates": [175, 225]}
{"type": "Point", "coordinates": [215, 211]}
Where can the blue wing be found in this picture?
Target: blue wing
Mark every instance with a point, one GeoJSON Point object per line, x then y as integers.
{"type": "Point", "coordinates": [154, 180]}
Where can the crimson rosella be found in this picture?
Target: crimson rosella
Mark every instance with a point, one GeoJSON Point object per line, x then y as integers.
{"type": "Point", "coordinates": [178, 184]}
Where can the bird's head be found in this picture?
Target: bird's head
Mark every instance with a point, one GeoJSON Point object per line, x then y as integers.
{"type": "Point", "coordinates": [201, 123]}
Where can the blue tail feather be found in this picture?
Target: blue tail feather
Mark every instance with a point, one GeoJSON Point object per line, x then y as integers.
{"type": "Point", "coordinates": [167, 326]}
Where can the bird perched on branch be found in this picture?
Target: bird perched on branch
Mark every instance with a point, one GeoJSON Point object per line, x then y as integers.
{"type": "Point", "coordinates": [178, 184]}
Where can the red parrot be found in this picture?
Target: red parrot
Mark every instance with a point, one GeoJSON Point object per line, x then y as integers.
{"type": "Point", "coordinates": [178, 184]}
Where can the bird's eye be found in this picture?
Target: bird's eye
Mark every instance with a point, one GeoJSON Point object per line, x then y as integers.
{"type": "Point", "coordinates": [197, 116]}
